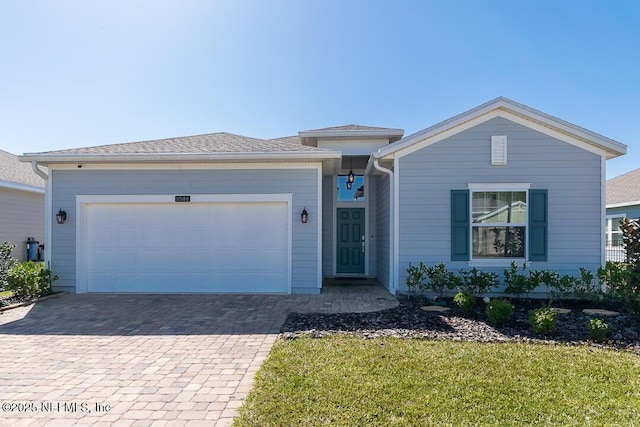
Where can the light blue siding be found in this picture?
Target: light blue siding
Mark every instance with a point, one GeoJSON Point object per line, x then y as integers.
{"type": "Point", "coordinates": [22, 216]}
{"type": "Point", "coordinates": [571, 175]}
{"type": "Point", "coordinates": [631, 212]}
{"type": "Point", "coordinates": [382, 230]}
{"type": "Point", "coordinates": [327, 226]}
{"type": "Point", "coordinates": [301, 182]}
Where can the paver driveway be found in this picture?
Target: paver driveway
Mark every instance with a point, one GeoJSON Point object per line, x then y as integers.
{"type": "Point", "coordinates": [129, 360]}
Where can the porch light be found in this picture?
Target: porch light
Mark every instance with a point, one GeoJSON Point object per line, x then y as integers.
{"type": "Point", "coordinates": [61, 217]}
{"type": "Point", "coordinates": [304, 216]}
{"type": "Point", "coordinates": [350, 179]}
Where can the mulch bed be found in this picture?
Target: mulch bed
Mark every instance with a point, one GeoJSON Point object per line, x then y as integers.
{"type": "Point", "coordinates": [409, 321]}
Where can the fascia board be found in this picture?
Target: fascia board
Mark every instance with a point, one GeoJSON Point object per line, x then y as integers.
{"type": "Point", "coordinates": [351, 133]}
{"type": "Point", "coordinates": [176, 157]}
{"type": "Point", "coordinates": [623, 204]}
{"type": "Point", "coordinates": [613, 148]}
{"type": "Point", "coordinates": [21, 187]}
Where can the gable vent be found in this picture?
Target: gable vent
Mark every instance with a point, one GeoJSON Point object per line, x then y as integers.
{"type": "Point", "coordinates": [499, 150]}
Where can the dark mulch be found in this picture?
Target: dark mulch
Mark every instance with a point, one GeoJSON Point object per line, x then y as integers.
{"type": "Point", "coordinates": [408, 320]}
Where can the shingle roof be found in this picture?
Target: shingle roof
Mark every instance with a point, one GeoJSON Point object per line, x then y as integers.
{"type": "Point", "coordinates": [351, 127]}
{"type": "Point", "coordinates": [624, 188]}
{"type": "Point", "coordinates": [12, 170]}
{"type": "Point", "coordinates": [220, 142]}
{"type": "Point", "coordinates": [295, 139]}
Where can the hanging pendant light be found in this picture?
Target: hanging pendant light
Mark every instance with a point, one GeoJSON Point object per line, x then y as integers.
{"type": "Point", "coordinates": [351, 177]}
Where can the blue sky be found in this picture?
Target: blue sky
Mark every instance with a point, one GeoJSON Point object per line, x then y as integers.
{"type": "Point", "coordinates": [81, 73]}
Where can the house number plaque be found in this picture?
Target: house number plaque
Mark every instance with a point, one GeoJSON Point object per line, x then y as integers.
{"type": "Point", "coordinates": [183, 198]}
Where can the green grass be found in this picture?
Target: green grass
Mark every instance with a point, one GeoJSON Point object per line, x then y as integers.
{"type": "Point", "coordinates": [351, 381]}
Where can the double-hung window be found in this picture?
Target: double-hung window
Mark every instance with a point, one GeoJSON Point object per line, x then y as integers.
{"type": "Point", "coordinates": [499, 222]}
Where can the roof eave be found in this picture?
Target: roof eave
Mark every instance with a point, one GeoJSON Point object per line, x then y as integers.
{"type": "Point", "coordinates": [21, 187]}
{"type": "Point", "coordinates": [177, 157]}
{"type": "Point", "coordinates": [622, 204]}
{"type": "Point", "coordinates": [351, 133]}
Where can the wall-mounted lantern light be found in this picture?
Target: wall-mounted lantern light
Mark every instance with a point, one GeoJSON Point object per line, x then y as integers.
{"type": "Point", "coordinates": [350, 179]}
{"type": "Point", "coordinates": [304, 216]}
{"type": "Point", "coordinates": [61, 217]}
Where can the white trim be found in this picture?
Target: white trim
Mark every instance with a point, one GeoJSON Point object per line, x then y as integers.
{"type": "Point", "coordinates": [395, 266]}
{"type": "Point", "coordinates": [502, 187]}
{"type": "Point", "coordinates": [48, 217]}
{"type": "Point", "coordinates": [499, 186]}
{"type": "Point", "coordinates": [389, 174]}
{"type": "Point", "coordinates": [498, 150]}
{"type": "Point", "coordinates": [82, 201]}
{"type": "Point", "coordinates": [45, 158]}
{"type": "Point", "coordinates": [21, 187]}
{"type": "Point", "coordinates": [518, 113]}
{"type": "Point", "coordinates": [603, 210]}
{"type": "Point", "coordinates": [319, 228]}
{"type": "Point", "coordinates": [623, 204]}
{"type": "Point", "coordinates": [185, 166]}
{"type": "Point", "coordinates": [414, 143]}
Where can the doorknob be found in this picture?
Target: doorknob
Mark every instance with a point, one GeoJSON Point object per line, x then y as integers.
{"type": "Point", "coordinates": [362, 243]}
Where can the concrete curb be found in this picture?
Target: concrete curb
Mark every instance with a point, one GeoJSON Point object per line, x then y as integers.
{"type": "Point", "coordinates": [25, 303]}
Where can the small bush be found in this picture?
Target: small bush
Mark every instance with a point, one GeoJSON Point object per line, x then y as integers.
{"type": "Point", "coordinates": [597, 329]}
{"type": "Point", "coordinates": [499, 311]}
{"type": "Point", "coordinates": [441, 279]}
{"type": "Point", "coordinates": [416, 275]}
{"type": "Point", "coordinates": [29, 279]}
{"type": "Point", "coordinates": [478, 282]}
{"type": "Point", "coordinates": [543, 320]}
{"type": "Point", "coordinates": [6, 262]}
{"type": "Point", "coordinates": [519, 283]}
{"type": "Point", "coordinates": [465, 301]}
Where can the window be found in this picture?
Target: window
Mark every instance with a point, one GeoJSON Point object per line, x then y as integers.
{"type": "Point", "coordinates": [613, 232]}
{"type": "Point", "coordinates": [355, 194]}
{"type": "Point", "coordinates": [499, 224]}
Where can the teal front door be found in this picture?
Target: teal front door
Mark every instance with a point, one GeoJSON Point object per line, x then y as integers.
{"type": "Point", "coordinates": [350, 241]}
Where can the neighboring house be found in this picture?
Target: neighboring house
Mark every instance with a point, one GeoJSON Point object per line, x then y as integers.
{"type": "Point", "coordinates": [227, 213]}
{"type": "Point", "coordinates": [623, 201]}
{"type": "Point", "coordinates": [21, 204]}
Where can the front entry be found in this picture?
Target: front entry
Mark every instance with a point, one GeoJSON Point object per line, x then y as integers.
{"type": "Point", "coordinates": [350, 241]}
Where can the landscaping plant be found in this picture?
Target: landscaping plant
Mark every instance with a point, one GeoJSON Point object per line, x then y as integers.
{"type": "Point", "coordinates": [543, 320]}
{"type": "Point", "coordinates": [499, 311]}
{"type": "Point", "coordinates": [6, 262]}
{"type": "Point", "coordinates": [416, 275]}
{"type": "Point", "coordinates": [441, 279]}
{"type": "Point", "coordinates": [557, 285]}
{"type": "Point", "coordinates": [517, 283]}
{"type": "Point", "coordinates": [465, 301]}
{"type": "Point", "coordinates": [478, 282]}
{"type": "Point", "coordinates": [29, 280]}
{"type": "Point", "coordinates": [597, 329]}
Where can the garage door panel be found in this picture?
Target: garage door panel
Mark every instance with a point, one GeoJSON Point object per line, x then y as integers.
{"type": "Point", "coordinates": [199, 247]}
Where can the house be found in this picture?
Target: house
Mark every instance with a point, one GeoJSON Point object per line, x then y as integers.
{"type": "Point", "coordinates": [21, 205]}
{"type": "Point", "coordinates": [623, 201]}
{"type": "Point", "coordinates": [228, 213]}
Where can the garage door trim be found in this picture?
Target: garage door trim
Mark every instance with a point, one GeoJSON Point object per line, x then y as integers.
{"type": "Point", "coordinates": [83, 201]}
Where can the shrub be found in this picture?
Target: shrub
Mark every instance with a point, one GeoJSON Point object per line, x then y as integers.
{"type": "Point", "coordinates": [557, 285]}
{"type": "Point", "coordinates": [586, 287]}
{"type": "Point", "coordinates": [518, 283]}
{"type": "Point", "coordinates": [499, 311]}
{"type": "Point", "coordinates": [416, 275]}
{"type": "Point", "coordinates": [597, 329]}
{"type": "Point", "coordinates": [543, 320]}
{"type": "Point", "coordinates": [29, 279]}
{"type": "Point", "coordinates": [477, 282]}
{"type": "Point", "coordinates": [614, 275]}
{"type": "Point", "coordinates": [465, 301]}
{"type": "Point", "coordinates": [6, 262]}
{"type": "Point", "coordinates": [441, 279]}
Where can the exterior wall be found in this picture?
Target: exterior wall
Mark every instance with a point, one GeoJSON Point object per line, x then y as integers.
{"type": "Point", "coordinates": [66, 184]}
{"type": "Point", "coordinates": [382, 230]}
{"type": "Point", "coordinates": [372, 215]}
{"type": "Point", "coordinates": [22, 214]}
{"type": "Point", "coordinates": [631, 212]}
{"type": "Point", "coordinates": [572, 176]}
{"type": "Point", "coordinates": [327, 225]}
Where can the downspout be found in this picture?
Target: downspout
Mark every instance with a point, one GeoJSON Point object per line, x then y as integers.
{"type": "Point", "coordinates": [38, 171]}
{"type": "Point", "coordinates": [376, 164]}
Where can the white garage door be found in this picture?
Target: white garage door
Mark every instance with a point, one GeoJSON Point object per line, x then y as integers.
{"type": "Point", "coordinates": [187, 247]}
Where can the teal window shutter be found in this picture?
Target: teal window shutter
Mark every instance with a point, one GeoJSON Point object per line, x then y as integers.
{"type": "Point", "coordinates": [538, 225]}
{"type": "Point", "coordinates": [460, 224]}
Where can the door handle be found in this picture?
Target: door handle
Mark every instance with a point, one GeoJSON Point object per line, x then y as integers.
{"type": "Point", "coordinates": [363, 244]}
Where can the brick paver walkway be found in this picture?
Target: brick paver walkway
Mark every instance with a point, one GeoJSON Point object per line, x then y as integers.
{"type": "Point", "coordinates": [139, 360]}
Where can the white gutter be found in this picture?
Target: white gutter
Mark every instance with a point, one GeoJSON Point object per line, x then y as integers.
{"type": "Point", "coordinates": [21, 187]}
{"type": "Point", "coordinates": [623, 204]}
{"type": "Point", "coordinates": [376, 164]}
{"type": "Point", "coordinates": [173, 157]}
{"type": "Point", "coordinates": [38, 171]}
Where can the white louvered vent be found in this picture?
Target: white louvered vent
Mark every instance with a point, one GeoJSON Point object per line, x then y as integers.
{"type": "Point", "coordinates": [499, 150]}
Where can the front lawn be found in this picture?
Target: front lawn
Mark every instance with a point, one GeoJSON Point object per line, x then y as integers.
{"type": "Point", "coordinates": [347, 380]}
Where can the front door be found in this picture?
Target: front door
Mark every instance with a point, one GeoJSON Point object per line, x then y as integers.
{"type": "Point", "coordinates": [350, 241]}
